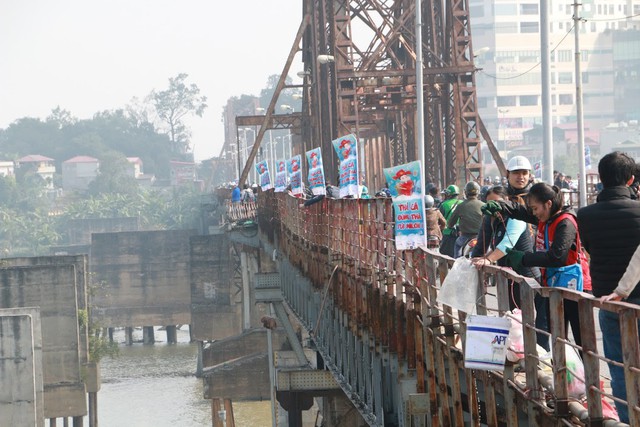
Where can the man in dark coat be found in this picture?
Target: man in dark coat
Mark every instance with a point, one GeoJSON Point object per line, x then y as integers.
{"type": "Point", "coordinates": [610, 232]}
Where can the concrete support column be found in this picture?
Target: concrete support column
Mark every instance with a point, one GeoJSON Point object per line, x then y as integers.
{"type": "Point", "coordinates": [128, 335]}
{"type": "Point", "coordinates": [148, 336]}
{"type": "Point", "coordinates": [93, 409]}
{"type": "Point", "coordinates": [111, 334]}
{"type": "Point", "coordinates": [172, 334]}
{"type": "Point", "coordinates": [191, 339]}
{"type": "Point", "coordinates": [78, 421]}
{"type": "Point", "coordinates": [199, 363]}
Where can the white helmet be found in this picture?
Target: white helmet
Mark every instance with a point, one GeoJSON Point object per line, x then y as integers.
{"type": "Point", "coordinates": [519, 163]}
{"type": "Point", "coordinates": [428, 201]}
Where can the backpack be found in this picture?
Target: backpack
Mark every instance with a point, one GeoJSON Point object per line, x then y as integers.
{"type": "Point", "coordinates": [576, 256]}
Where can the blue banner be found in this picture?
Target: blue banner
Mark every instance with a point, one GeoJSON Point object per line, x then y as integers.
{"type": "Point", "coordinates": [294, 169]}
{"type": "Point", "coordinates": [263, 175]}
{"type": "Point", "coordinates": [281, 176]}
{"type": "Point", "coordinates": [404, 183]}
{"type": "Point", "coordinates": [316, 172]}
{"type": "Point", "coordinates": [347, 149]}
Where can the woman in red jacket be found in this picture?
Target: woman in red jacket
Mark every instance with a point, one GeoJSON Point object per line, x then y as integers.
{"type": "Point", "coordinates": [557, 248]}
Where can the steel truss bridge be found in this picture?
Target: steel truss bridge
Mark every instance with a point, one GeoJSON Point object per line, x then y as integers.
{"type": "Point", "coordinates": [368, 87]}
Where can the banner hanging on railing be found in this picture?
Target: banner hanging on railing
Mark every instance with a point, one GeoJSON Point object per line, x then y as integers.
{"type": "Point", "coordinates": [264, 177]}
{"type": "Point", "coordinates": [281, 176]}
{"type": "Point", "coordinates": [294, 168]}
{"type": "Point", "coordinates": [316, 172]}
{"type": "Point", "coordinates": [404, 183]}
{"type": "Point", "coordinates": [347, 149]}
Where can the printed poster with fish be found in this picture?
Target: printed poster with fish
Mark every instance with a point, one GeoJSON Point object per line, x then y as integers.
{"type": "Point", "coordinates": [347, 149]}
{"type": "Point", "coordinates": [294, 169]}
{"type": "Point", "coordinates": [263, 175]}
{"type": "Point", "coordinates": [281, 176]}
{"type": "Point", "coordinates": [408, 204]}
{"type": "Point", "coordinates": [316, 172]}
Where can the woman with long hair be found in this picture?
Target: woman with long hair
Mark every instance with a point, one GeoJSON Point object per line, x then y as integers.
{"type": "Point", "coordinates": [557, 244]}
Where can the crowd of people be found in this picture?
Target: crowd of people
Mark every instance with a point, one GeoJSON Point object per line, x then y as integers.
{"type": "Point", "coordinates": [526, 225]}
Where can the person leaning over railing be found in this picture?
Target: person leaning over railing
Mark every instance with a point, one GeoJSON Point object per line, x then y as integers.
{"type": "Point", "coordinates": [497, 237]}
{"type": "Point", "coordinates": [610, 230]}
{"type": "Point", "coordinates": [557, 243]}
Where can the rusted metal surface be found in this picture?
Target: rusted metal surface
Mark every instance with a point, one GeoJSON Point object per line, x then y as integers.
{"type": "Point", "coordinates": [381, 324]}
{"type": "Point", "coordinates": [369, 87]}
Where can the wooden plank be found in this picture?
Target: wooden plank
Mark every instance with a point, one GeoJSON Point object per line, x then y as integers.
{"type": "Point", "coordinates": [590, 361]}
{"type": "Point", "coordinates": [631, 358]}
{"type": "Point", "coordinates": [560, 386]}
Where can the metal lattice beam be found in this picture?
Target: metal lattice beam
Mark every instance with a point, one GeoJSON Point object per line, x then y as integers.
{"type": "Point", "coordinates": [372, 81]}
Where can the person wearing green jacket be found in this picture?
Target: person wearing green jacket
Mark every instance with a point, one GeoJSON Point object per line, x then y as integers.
{"type": "Point", "coordinates": [449, 235]}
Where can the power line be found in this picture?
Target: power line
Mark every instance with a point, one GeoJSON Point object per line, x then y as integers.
{"type": "Point", "coordinates": [536, 65]}
{"type": "Point", "coordinates": [612, 19]}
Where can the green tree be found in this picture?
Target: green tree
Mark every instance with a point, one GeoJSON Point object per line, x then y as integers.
{"type": "Point", "coordinates": [175, 104]}
{"type": "Point", "coordinates": [114, 176]}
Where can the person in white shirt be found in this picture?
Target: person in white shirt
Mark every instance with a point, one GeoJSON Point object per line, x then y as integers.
{"type": "Point", "coordinates": [628, 281]}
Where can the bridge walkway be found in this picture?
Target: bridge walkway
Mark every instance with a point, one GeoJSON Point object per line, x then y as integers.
{"type": "Point", "coordinates": [373, 314]}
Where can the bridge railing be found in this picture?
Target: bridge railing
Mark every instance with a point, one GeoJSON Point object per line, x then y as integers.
{"type": "Point", "coordinates": [373, 314]}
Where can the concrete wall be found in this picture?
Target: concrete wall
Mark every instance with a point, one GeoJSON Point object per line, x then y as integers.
{"type": "Point", "coordinates": [21, 393]}
{"type": "Point", "coordinates": [36, 326]}
{"type": "Point", "coordinates": [250, 342]}
{"type": "Point", "coordinates": [142, 278]}
{"type": "Point", "coordinates": [247, 380]}
{"type": "Point", "coordinates": [79, 262]}
{"type": "Point", "coordinates": [53, 289]}
{"type": "Point", "coordinates": [79, 230]}
{"type": "Point", "coordinates": [216, 294]}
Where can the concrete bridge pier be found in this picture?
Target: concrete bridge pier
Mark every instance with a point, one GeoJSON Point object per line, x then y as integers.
{"type": "Point", "coordinates": [172, 334]}
{"type": "Point", "coordinates": [128, 335]}
{"type": "Point", "coordinates": [110, 331]}
{"type": "Point", "coordinates": [148, 336]}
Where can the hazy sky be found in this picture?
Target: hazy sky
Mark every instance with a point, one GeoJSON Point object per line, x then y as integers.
{"type": "Point", "coordinates": [87, 56]}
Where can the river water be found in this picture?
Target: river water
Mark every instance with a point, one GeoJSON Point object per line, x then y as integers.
{"type": "Point", "coordinates": [155, 386]}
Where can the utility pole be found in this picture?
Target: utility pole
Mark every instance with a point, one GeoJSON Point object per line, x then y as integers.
{"type": "Point", "coordinates": [545, 69]}
{"type": "Point", "coordinates": [420, 96]}
{"type": "Point", "coordinates": [582, 182]}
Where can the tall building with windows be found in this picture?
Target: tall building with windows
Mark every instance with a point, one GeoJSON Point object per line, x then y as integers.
{"type": "Point", "coordinates": [506, 37]}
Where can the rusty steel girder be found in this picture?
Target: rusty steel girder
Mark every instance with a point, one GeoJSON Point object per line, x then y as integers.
{"type": "Point", "coordinates": [369, 88]}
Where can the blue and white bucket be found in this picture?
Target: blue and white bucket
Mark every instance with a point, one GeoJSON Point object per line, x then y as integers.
{"type": "Point", "coordinates": [486, 342]}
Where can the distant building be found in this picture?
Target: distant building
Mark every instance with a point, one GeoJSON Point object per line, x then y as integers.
{"type": "Point", "coordinates": [78, 172]}
{"type": "Point", "coordinates": [506, 39]}
{"type": "Point", "coordinates": [7, 168]}
{"type": "Point", "coordinates": [40, 165]}
{"type": "Point", "coordinates": [135, 166]}
{"type": "Point", "coordinates": [182, 172]}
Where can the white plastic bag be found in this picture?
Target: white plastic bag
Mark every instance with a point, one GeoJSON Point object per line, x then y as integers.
{"type": "Point", "coordinates": [515, 342]}
{"type": "Point", "coordinates": [575, 383]}
{"type": "Point", "coordinates": [460, 288]}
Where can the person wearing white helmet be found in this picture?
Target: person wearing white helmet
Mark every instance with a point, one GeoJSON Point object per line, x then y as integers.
{"type": "Point", "coordinates": [519, 181]}
{"type": "Point", "coordinates": [518, 176]}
